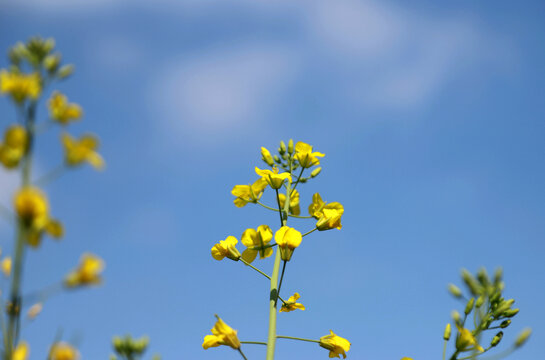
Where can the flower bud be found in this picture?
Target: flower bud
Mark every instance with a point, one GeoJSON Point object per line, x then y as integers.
{"type": "Point", "coordinates": [266, 156]}
{"type": "Point", "coordinates": [471, 282]}
{"type": "Point", "coordinates": [65, 71]}
{"type": "Point", "coordinates": [315, 172]}
{"type": "Point", "coordinates": [479, 302]}
{"type": "Point", "coordinates": [498, 275]}
{"type": "Point", "coordinates": [510, 313]}
{"type": "Point", "coordinates": [446, 334]}
{"type": "Point", "coordinates": [482, 275]}
{"type": "Point", "coordinates": [469, 306]}
{"type": "Point", "coordinates": [276, 159]}
{"type": "Point", "coordinates": [290, 147]}
{"type": "Point", "coordinates": [52, 62]}
{"type": "Point", "coordinates": [456, 316]}
{"type": "Point", "coordinates": [496, 339]}
{"type": "Point", "coordinates": [523, 337]}
{"type": "Point", "coordinates": [454, 290]}
{"type": "Point", "coordinates": [503, 307]}
{"type": "Point", "coordinates": [282, 148]}
{"type": "Point", "coordinates": [505, 323]}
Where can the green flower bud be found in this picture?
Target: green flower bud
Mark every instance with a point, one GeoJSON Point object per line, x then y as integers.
{"type": "Point", "coordinates": [315, 172]}
{"type": "Point", "coordinates": [456, 316]}
{"type": "Point", "coordinates": [496, 339]}
{"type": "Point", "coordinates": [523, 337]}
{"type": "Point", "coordinates": [505, 323]}
{"type": "Point", "coordinates": [482, 275]}
{"type": "Point", "coordinates": [282, 148]}
{"type": "Point", "coordinates": [455, 290]}
{"type": "Point", "coordinates": [65, 71]}
{"type": "Point", "coordinates": [472, 284]}
{"type": "Point", "coordinates": [276, 159]}
{"type": "Point", "coordinates": [446, 334]}
{"type": "Point", "coordinates": [479, 302]}
{"type": "Point", "coordinates": [498, 275]}
{"type": "Point", "coordinates": [503, 307]}
{"type": "Point", "coordinates": [52, 62]}
{"type": "Point", "coordinates": [511, 312]}
{"type": "Point", "coordinates": [469, 306]}
{"type": "Point", "coordinates": [290, 147]}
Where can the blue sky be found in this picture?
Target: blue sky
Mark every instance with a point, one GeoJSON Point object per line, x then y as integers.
{"type": "Point", "coordinates": [431, 119]}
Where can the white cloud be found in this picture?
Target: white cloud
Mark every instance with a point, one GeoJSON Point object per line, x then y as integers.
{"type": "Point", "coordinates": [224, 88]}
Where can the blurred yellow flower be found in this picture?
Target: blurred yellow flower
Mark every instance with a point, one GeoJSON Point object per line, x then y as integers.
{"type": "Point", "coordinates": [62, 111]}
{"type": "Point", "coordinates": [305, 156]}
{"type": "Point", "coordinates": [406, 358]}
{"type": "Point", "coordinates": [20, 86]}
{"type": "Point", "coordinates": [266, 156]}
{"type": "Point", "coordinates": [63, 351]}
{"type": "Point", "coordinates": [335, 344]}
{"type": "Point", "coordinates": [6, 266]}
{"type": "Point", "coordinates": [294, 202]}
{"type": "Point", "coordinates": [223, 334]}
{"type": "Point", "coordinates": [226, 248]}
{"type": "Point", "coordinates": [255, 241]}
{"type": "Point", "coordinates": [82, 150]}
{"type": "Point", "coordinates": [292, 304]}
{"type": "Point", "coordinates": [287, 239]}
{"type": "Point", "coordinates": [87, 272]}
{"type": "Point", "coordinates": [14, 146]}
{"type": "Point", "coordinates": [330, 217]}
{"type": "Point", "coordinates": [31, 206]}
{"type": "Point", "coordinates": [465, 340]}
{"type": "Point", "coordinates": [21, 352]}
{"type": "Point", "coordinates": [249, 193]}
{"type": "Point", "coordinates": [273, 178]}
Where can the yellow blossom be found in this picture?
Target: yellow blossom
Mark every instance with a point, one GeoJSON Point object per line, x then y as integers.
{"type": "Point", "coordinates": [14, 146]}
{"type": "Point", "coordinates": [35, 310]}
{"type": "Point", "coordinates": [256, 241]}
{"type": "Point", "coordinates": [316, 206]}
{"type": "Point", "coordinates": [266, 156]}
{"type": "Point", "coordinates": [465, 340]}
{"type": "Point", "coordinates": [249, 193]}
{"type": "Point", "coordinates": [335, 344]}
{"type": "Point", "coordinates": [330, 217]}
{"type": "Point", "coordinates": [287, 239]}
{"type": "Point", "coordinates": [273, 178]}
{"type": "Point", "coordinates": [226, 248]}
{"type": "Point", "coordinates": [294, 202]}
{"type": "Point", "coordinates": [87, 272]}
{"type": "Point", "coordinates": [6, 266]}
{"type": "Point", "coordinates": [223, 334]}
{"type": "Point", "coordinates": [20, 86]}
{"type": "Point", "coordinates": [82, 150]}
{"type": "Point", "coordinates": [63, 351]}
{"type": "Point", "coordinates": [21, 352]}
{"type": "Point", "coordinates": [31, 206]}
{"type": "Point", "coordinates": [305, 156]}
{"type": "Point", "coordinates": [406, 358]}
{"type": "Point", "coordinates": [292, 304]}
{"type": "Point", "coordinates": [62, 111]}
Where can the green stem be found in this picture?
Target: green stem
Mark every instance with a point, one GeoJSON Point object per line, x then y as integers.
{"type": "Point", "coordinates": [298, 178]}
{"type": "Point", "coordinates": [50, 176]}
{"type": "Point", "coordinates": [290, 215]}
{"type": "Point", "coordinates": [445, 349]}
{"type": "Point", "coordinates": [308, 232]}
{"type": "Point", "coordinates": [297, 338]}
{"type": "Point", "coordinates": [253, 342]}
{"type": "Point", "coordinates": [281, 278]}
{"type": "Point", "coordinates": [261, 272]}
{"type": "Point", "coordinates": [242, 354]}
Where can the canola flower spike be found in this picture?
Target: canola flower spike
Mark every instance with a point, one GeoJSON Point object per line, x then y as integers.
{"type": "Point", "coordinates": [292, 304]}
{"type": "Point", "coordinates": [226, 248]}
{"type": "Point", "coordinates": [223, 334]}
{"type": "Point", "coordinates": [465, 341]}
{"type": "Point", "coordinates": [83, 150]}
{"type": "Point", "coordinates": [61, 111]}
{"type": "Point", "coordinates": [21, 352]}
{"type": "Point", "coordinates": [305, 156]}
{"type": "Point", "coordinates": [5, 265]}
{"type": "Point", "coordinates": [63, 351]}
{"type": "Point", "coordinates": [335, 344]}
{"type": "Point", "coordinates": [87, 273]}
{"type": "Point", "coordinates": [273, 178]}
{"type": "Point", "coordinates": [14, 146]}
{"type": "Point", "coordinates": [20, 86]}
{"type": "Point", "coordinates": [248, 193]}
{"type": "Point", "coordinates": [294, 202]}
{"type": "Point", "coordinates": [256, 242]}
{"type": "Point", "coordinates": [287, 239]}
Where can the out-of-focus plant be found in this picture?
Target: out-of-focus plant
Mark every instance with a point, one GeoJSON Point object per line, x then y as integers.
{"type": "Point", "coordinates": [34, 67]}
{"type": "Point", "coordinates": [286, 171]}
{"type": "Point", "coordinates": [127, 348]}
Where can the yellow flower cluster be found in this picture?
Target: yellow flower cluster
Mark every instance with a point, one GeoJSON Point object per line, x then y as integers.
{"type": "Point", "coordinates": [14, 146]}
{"type": "Point", "coordinates": [20, 86]}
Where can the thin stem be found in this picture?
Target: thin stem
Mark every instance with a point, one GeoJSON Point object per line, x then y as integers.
{"type": "Point", "coordinates": [290, 215]}
{"type": "Point", "coordinates": [50, 176]}
{"type": "Point", "coordinates": [280, 207]}
{"type": "Point", "coordinates": [242, 354]}
{"type": "Point", "coordinates": [445, 349]}
{"type": "Point", "coordinates": [298, 178]}
{"type": "Point", "coordinates": [43, 294]}
{"type": "Point", "coordinates": [296, 338]}
{"type": "Point", "coordinates": [256, 269]}
{"type": "Point", "coordinates": [308, 232]}
{"type": "Point", "coordinates": [253, 342]}
{"type": "Point", "coordinates": [266, 206]}
{"type": "Point", "coordinates": [281, 278]}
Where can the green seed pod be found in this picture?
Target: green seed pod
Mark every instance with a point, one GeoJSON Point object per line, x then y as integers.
{"type": "Point", "coordinates": [496, 339]}
{"type": "Point", "coordinates": [479, 302]}
{"type": "Point", "coordinates": [505, 323]}
{"type": "Point", "coordinates": [315, 172]}
{"type": "Point", "coordinates": [446, 334]}
{"type": "Point", "coordinates": [454, 290]}
{"type": "Point", "coordinates": [290, 147]}
{"type": "Point", "coordinates": [523, 337]}
{"type": "Point", "coordinates": [469, 306]}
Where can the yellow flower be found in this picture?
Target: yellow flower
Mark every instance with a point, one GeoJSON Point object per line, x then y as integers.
{"type": "Point", "coordinates": [63, 351]}
{"type": "Point", "coordinates": [335, 344]}
{"type": "Point", "coordinates": [87, 272]}
{"type": "Point", "coordinates": [316, 206]}
{"type": "Point", "coordinates": [256, 241]}
{"type": "Point", "coordinates": [6, 266]}
{"type": "Point", "coordinates": [20, 86]}
{"type": "Point", "coordinates": [406, 358]}
{"type": "Point", "coordinates": [226, 248]}
{"type": "Point", "coordinates": [62, 111]}
{"type": "Point", "coordinates": [266, 156]}
{"type": "Point", "coordinates": [14, 147]}
{"type": "Point", "coordinates": [223, 334]}
{"type": "Point", "coordinates": [305, 156]}
{"type": "Point", "coordinates": [52, 227]}
{"type": "Point", "coordinates": [330, 217]}
{"type": "Point", "coordinates": [82, 150]}
{"type": "Point", "coordinates": [287, 239]}
{"type": "Point", "coordinates": [273, 178]}
{"type": "Point", "coordinates": [31, 206]}
{"type": "Point", "coordinates": [294, 202]}
{"type": "Point", "coordinates": [21, 352]}
{"type": "Point", "coordinates": [292, 304]}
{"type": "Point", "coordinates": [249, 193]}
{"type": "Point", "coordinates": [465, 340]}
